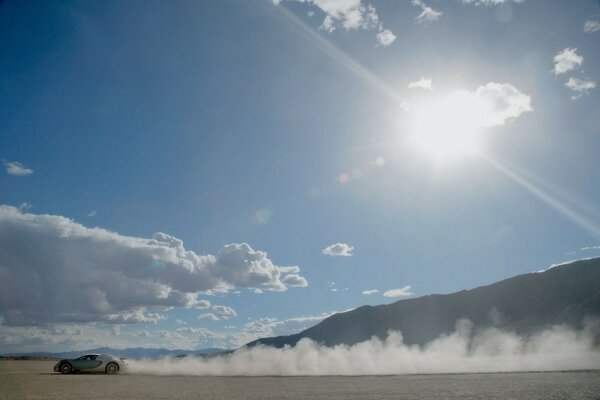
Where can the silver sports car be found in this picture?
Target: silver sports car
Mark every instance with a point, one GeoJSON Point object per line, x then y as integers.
{"type": "Point", "coordinates": [91, 362]}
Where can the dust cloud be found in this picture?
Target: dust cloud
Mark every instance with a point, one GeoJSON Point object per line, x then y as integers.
{"type": "Point", "coordinates": [463, 351]}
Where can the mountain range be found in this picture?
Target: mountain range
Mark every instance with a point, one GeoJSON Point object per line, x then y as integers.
{"type": "Point", "coordinates": [565, 294]}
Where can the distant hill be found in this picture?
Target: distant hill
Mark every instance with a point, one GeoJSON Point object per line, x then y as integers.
{"type": "Point", "coordinates": [137, 352]}
{"type": "Point", "coordinates": [564, 294]}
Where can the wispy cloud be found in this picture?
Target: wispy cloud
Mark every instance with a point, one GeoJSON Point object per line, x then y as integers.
{"type": "Point", "coordinates": [580, 86]}
{"type": "Point", "coordinates": [401, 292]}
{"type": "Point", "coordinates": [338, 249]}
{"type": "Point", "coordinates": [17, 169]}
{"type": "Point", "coordinates": [428, 14]}
{"type": "Point", "coordinates": [385, 37]}
{"type": "Point", "coordinates": [423, 83]}
{"type": "Point", "coordinates": [370, 292]}
{"type": "Point", "coordinates": [268, 327]}
{"type": "Point", "coordinates": [92, 213]}
{"type": "Point", "coordinates": [591, 26]}
{"type": "Point", "coordinates": [567, 60]}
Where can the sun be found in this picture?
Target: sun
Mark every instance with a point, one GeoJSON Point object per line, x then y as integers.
{"type": "Point", "coordinates": [448, 127]}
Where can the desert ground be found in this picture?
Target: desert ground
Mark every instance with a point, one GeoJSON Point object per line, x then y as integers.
{"type": "Point", "coordinates": [35, 380]}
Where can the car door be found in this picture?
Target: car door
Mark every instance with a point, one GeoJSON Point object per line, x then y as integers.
{"type": "Point", "coordinates": [89, 361]}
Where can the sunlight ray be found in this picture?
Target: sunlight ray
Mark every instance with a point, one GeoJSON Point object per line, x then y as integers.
{"type": "Point", "coordinates": [547, 198]}
{"type": "Point", "coordinates": [337, 55]}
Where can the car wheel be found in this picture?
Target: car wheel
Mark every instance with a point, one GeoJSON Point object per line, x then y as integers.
{"type": "Point", "coordinates": [66, 368]}
{"type": "Point", "coordinates": [112, 368]}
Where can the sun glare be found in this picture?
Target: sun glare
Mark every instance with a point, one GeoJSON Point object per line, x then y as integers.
{"type": "Point", "coordinates": [448, 127]}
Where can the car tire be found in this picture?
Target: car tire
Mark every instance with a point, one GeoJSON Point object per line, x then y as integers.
{"type": "Point", "coordinates": [112, 368]}
{"type": "Point", "coordinates": [65, 368]}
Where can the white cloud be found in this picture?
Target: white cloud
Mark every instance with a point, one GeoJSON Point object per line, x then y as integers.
{"type": "Point", "coordinates": [289, 270]}
{"type": "Point", "coordinates": [385, 37]}
{"type": "Point", "coordinates": [202, 304]}
{"type": "Point", "coordinates": [135, 316]}
{"type": "Point", "coordinates": [428, 14]}
{"type": "Point", "coordinates": [294, 280]}
{"type": "Point", "coordinates": [567, 60]}
{"type": "Point", "coordinates": [350, 14]}
{"type": "Point", "coordinates": [92, 213]}
{"type": "Point", "coordinates": [219, 313]}
{"type": "Point", "coordinates": [580, 86]}
{"type": "Point", "coordinates": [489, 2]}
{"type": "Point", "coordinates": [338, 249]}
{"type": "Point", "coordinates": [223, 312]}
{"type": "Point", "coordinates": [111, 277]}
{"type": "Point", "coordinates": [269, 327]}
{"type": "Point", "coordinates": [492, 104]}
{"type": "Point", "coordinates": [169, 334]}
{"type": "Point", "coordinates": [370, 292]}
{"type": "Point", "coordinates": [401, 292]}
{"type": "Point", "coordinates": [17, 169]}
{"type": "Point", "coordinates": [503, 103]}
{"type": "Point", "coordinates": [202, 332]}
{"type": "Point", "coordinates": [423, 83]}
{"type": "Point", "coordinates": [591, 26]}
{"type": "Point", "coordinates": [208, 316]}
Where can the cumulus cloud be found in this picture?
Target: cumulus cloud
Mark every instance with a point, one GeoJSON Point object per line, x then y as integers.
{"type": "Point", "coordinates": [111, 277]}
{"type": "Point", "coordinates": [463, 351]}
{"type": "Point", "coordinates": [338, 249]}
{"type": "Point", "coordinates": [17, 169]}
{"type": "Point", "coordinates": [224, 312]}
{"type": "Point", "coordinates": [493, 104]}
{"type": "Point", "coordinates": [591, 26]}
{"type": "Point", "coordinates": [350, 14]}
{"type": "Point", "coordinates": [567, 60]}
{"type": "Point", "coordinates": [385, 37]}
{"type": "Point", "coordinates": [428, 14]}
{"type": "Point", "coordinates": [218, 313]}
{"type": "Point", "coordinates": [295, 280]}
{"type": "Point", "coordinates": [580, 86]}
{"type": "Point", "coordinates": [135, 316]}
{"type": "Point", "coordinates": [423, 83]}
{"type": "Point", "coordinates": [502, 103]}
{"type": "Point", "coordinates": [289, 270]}
{"type": "Point", "coordinates": [401, 292]}
{"type": "Point", "coordinates": [370, 292]}
{"type": "Point", "coordinates": [202, 304]}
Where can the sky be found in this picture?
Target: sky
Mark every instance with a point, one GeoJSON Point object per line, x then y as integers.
{"type": "Point", "coordinates": [188, 175]}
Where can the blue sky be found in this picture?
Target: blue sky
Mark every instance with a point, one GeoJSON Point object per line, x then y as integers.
{"type": "Point", "coordinates": [429, 146]}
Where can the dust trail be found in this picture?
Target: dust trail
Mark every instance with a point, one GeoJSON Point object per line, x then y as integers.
{"type": "Point", "coordinates": [491, 350]}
